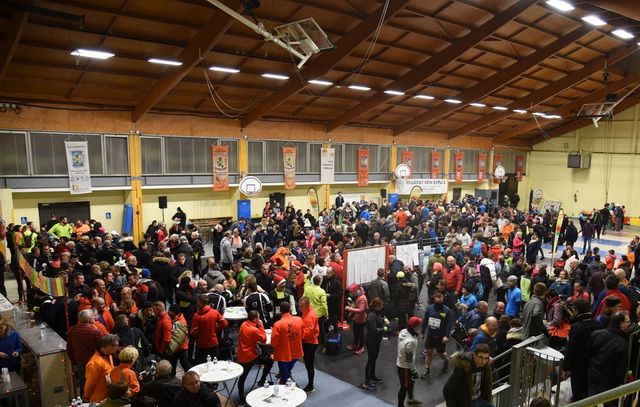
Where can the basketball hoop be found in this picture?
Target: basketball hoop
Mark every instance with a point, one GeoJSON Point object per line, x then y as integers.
{"type": "Point", "coordinates": [596, 111]}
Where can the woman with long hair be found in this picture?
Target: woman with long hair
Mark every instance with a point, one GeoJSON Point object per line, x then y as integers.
{"type": "Point", "coordinates": [376, 326]}
{"type": "Point", "coordinates": [10, 347]}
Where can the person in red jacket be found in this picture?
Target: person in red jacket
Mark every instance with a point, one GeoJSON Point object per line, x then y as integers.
{"type": "Point", "coordinates": [205, 326]}
{"type": "Point", "coordinates": [452, 276]}
{"type": "Point", "coordinates": [250, 335]}
{"type": "Point", "coordinates": [162, 335]}
{"type": "Point", "coordinates": [286, 339]}
{"type": "Point", "coordinates": [359, 310]}
{"type": "Point", "coordinates": [310, 332]}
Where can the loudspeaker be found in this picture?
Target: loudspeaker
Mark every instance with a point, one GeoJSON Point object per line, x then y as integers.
{"type": "Point", "coordinates": [162, 202]}
{"type": "Point", "coordinates": [383, 193]}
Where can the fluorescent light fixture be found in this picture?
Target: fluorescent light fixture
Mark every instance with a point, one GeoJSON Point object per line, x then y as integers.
{"type": "Point", "coordinates": [539, 114]}
{"type": "Point", "coordinates": [551, 116]}
{"type": "Point", "coordinates": [427, 97]}
{"type": "Point", "coordinates": [275, 76]}
{"type": "Point", "coordinates": [500, 108]}
{"type": "Point", "coordinates": [164, 62]}
{"type": "Point", "coordinates": [560, 5]}
{"type": "Point", "coordinates": [594, 20]}
{"type": "Point", "coordinates": [394, 92]}
{"type": "Point", "coordinates": [358, 87]}
{"type": "Point", "coordinates": [223, 69]}
{"type": "Point", "coordinates": [477, 104]}
{"type": "Point", "coordinates": [319, 82]}
{"type": "Point", "coordinates": [622, 33]}
{"type": "Point", "coordinates": [520, 111]}
{"type": "Point", "coordinates": [455, 101]}
{"type": "Point", "coordinates": [88, 53]}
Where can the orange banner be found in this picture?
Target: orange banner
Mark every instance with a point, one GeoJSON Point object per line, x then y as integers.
{"type": "Point", "coordinates": [435, 165]}
{"type": "Point", "coordinates": [497, 161]}
{"type": "Point", "coordinates": [482, 167]}
{"type": "Point", "coordinates": [407, 158]}
{"type": "Point", "coordinates": [220, 156]}
{"type": "Point", "coordinates": [363, 168]}
{"type": "Point", "coordinates": [519, 167]}
{"type": "Point", "coordinates": [459, 167]}
{"type": "Point", "coordinates": [289, 159]}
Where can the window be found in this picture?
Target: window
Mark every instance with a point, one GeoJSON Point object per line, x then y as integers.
{"type": "Point", "coordinates": [117, 155]}
{"type": "Point", "coordinates": [190, 155]}
{"type": "Point", "coordinates": [469, 161]}
{"type": "Point", "coordinates": [14, 154]}
{"type": "Point", "coordinates": [256, 157]}
{"type": "Point", "coordinates": [233, 155]}
{"type": "Point", "coordinates": [49, 156]}
{"type": "Point", "coordinates": [151, 155]}
{"type": "Point", "coordinates": [383, 158]}
{"type": "Point", "coordinates": [314, 158]}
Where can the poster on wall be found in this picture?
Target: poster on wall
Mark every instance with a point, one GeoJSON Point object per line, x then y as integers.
{"type": "Point", "coordinates": [435, 165]}
{"type": "Point", "coordinates": [289, 160]}
{"type": "Point", "coordinates": [459, 167]}
{"type": "Point", "coordinates": [78, 167]}
{"type": "Point", "coordinates": [363, 168]}
{"type": "Point", "coordinates": [482, 167]}
{"type": "Point", "coordinates": [220, 156]}
{"type": "Point", "coordinates": [519, 167]}
{"type": "Point", "coordinates": [327, 165]}
{"type": "Point", "coordinates": [407, 158]}
{"type": "Point", "coordinates": [427, 186]}
{"type": "Point", "coordinates": [497, 162]}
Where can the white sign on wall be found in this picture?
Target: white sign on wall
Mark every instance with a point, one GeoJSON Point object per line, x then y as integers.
{"type": "Point", "coordinates": [327, 165]}
{"type": "Point", "coordinates": [429, 186]}
{"type": "Point", "coordinates": [78, 167]}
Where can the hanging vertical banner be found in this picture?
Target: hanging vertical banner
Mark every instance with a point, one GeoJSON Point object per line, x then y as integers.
{"type": "Point", "coordinates": [407, 158]}
{"type": "Point", "coordinates": [289, 159]}
{"type": "Point", "coordinates": [435, 165]}
{"type": "Point", "coordinates": [313, 200]}
{"type": "Point", "coordinates": [497, 162]}
{"type": "Point", "coordinates": [556, 238]}
{"type": "Point", "coordinates": [363, 168]}
{"type": "Point", "coordinates": [482, 167]}
{"type": "Point", "coordinates": [78, 167]}
{"type": "Point", "coordinates": [519, 167]}
{"type": "Point", "coordinates": [327, 165]}
{"type": "Point", "coordinates": [220, 155]}
{"type": "Point", "coordinates": [459, 168]}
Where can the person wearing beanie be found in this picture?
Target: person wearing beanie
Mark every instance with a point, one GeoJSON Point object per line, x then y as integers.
{"type": "Point", "coordinates": [407, 297]}
{"type": "Point", "coordinates": [407, 373]}
{"type": "Point", "coordinates": [279, 294]}
{"type": "Point", "coordinates": [358, 310]}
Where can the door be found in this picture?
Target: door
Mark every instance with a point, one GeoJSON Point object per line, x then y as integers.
{"type": "Point", "coordinates": [456, 193]}
{"type": "Point", "coordinates": [72, 210]}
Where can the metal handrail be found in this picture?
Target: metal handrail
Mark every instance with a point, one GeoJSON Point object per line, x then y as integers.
{"type": "Point", "coordinates": [609, 395]}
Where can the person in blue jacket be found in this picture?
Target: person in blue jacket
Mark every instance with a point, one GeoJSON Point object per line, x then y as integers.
{"type": "Point", "coordinates": [437, 325]}
{"type": "Point", "coordinates": [10, 347]}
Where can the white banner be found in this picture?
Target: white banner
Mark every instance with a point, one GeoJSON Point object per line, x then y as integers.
{"type": "Point", "coordinates": [408, 254]}
{"type": "Point", "coordinates": [78, 166]}
{"type": "Point", "coordinates": [429, 186]}
{"type": "Point", "coordinates": [327, 162]}
{"type": "Point", "coordinates": [363, 264]}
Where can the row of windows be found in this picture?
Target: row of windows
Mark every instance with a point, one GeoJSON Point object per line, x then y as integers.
{"type": "Point", "coordinates": [39, 153]}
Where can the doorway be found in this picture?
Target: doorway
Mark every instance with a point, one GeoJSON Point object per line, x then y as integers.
{"type": "Point", "coordinates": [456, 193]}
{"type": "Point", "coordinates": [507, 187]}
{"type": "Point", "coordinates": [72, 210]}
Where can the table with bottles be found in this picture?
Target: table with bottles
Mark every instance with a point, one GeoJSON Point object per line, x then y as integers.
{"type": "Point", "coordinates": [277, 395]}
{"type": "Point", "coordinates": [214, 371]}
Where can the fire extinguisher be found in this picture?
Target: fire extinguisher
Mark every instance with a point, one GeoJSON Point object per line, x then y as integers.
{"type": "Point", "coordinates": [3, 230]}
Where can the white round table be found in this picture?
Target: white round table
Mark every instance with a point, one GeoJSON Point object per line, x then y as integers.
{"type": "Point", "coordinates": [235, 313]}
{"type": "Point", "coordinates": [221, 372]}
{"type": "Point", "coordinates": [258, 398]}
{"type": "Point", "coordinates": [268, 341]}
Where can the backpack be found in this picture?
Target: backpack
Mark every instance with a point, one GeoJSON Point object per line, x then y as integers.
{"type": "Point", "coordinates": [178, 333]}
{"type": "Point", "coordinates": [333, 343]}
{"type": "Point", "coordinates": [478, 290]}
{"type": "Point", "coordinates": [28, 239]}
{"type": "Point", "coordinates": [477, 248]}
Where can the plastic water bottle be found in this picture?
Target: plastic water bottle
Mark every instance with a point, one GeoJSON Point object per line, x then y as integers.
{"type": "Point", "coordinates": [43, 332]}
{"type": "Point", "coordinates": [197, 277]}
{"type": "Point", "coordinates": [265, 386]}
{"type": "Point", "coordinates": [215, 360]}
{"type": "Point", "coordinates": [276, 390]}
{"type": "Point", "coordinates": [209, 363]}
{"type": "Point", "coordinates": [289, 385]}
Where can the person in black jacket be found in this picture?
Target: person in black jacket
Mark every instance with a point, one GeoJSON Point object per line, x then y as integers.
{"type": "Point", "coordinates": [470, 368]}
{"type": "Point", "coordinates": [375, 328]}
{"type": "Point", "coordinates": [575, 364]}
{"type": "Point", "coordinates": [606, 352]}
{"type": "Point", "coordinates": [164, 388]}
{"type": "Point", "coordinates": [332, 285]}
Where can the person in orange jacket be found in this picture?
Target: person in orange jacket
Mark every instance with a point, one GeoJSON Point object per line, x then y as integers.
{"type": "Point", "coordinates": [310, 332]}
{"type": "Point", "coordinates": [123, 372]}
{"type": "Point", "coordinates": [286, 339]}
{"type": "Point", "coordinates": [99, 366]}
{"type": "Point", "coordinates": [182, 353]}
{"type": "Point", "coordinates": [103, 315]}
{"type": "Point", "coordinates": [251, 334]}
{"type": "Point", "coordinates": [206, 324]}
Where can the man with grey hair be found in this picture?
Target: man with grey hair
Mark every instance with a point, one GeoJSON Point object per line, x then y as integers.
{"type": "Point", "coordinates": [164, 388]}
{"type": "Point", "coordinates": [82, 342]}
{"type": "Point", "coordinates": [379, 288]}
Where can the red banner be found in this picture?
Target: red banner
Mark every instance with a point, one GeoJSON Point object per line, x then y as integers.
{"type": "Point", "coordinates": [407, 158]}
{"type": "Point", "coordinates": [519, 167]}
{"type": "Point", "coordinates": [459, 167]}
{"type": "Point", "coordinates": [220, 155]}
{"type": "Point", "coordinates": [497, 161]}
{"type": "Point", "coordinates": [289, 160]}
{"type": "Point", "coordinates": [363, 168]}
{"type": "Point", "coordinates": [482, 167]}
{"type": "Point", "coordinates": [435, 165]}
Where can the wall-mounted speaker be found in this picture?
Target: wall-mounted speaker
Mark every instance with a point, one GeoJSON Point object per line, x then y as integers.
{"type": "Point", "coordinates": [162, 202]}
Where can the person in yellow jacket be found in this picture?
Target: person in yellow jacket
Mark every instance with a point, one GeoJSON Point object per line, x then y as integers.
{"type": "Point", "coordinates": [318, 298]}
{"type": "Point", "coordinates": [100, 365]}
{"type": "Point", "coordinates": [61, 229]}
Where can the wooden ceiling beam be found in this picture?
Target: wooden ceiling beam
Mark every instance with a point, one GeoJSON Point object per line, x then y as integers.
{"type": "Point", "coordinates": [580, 123]}
{"type": "Point", "coordinates": [10, 41]}
{"type": "Point", "coordinates": [573, 106]}
{"type": "Point", "coordinates": [539, 96]}
{"type": "Point", "coordinates": [433, 64]}
{"type": "Point", "coordinates": [494, 82]}
{"type": "Point", "coordinates": [325, 62]}
{"type": "Point", "coordinates": [199, 46]}
{"type": "Point", "coordinates": [624, 8]}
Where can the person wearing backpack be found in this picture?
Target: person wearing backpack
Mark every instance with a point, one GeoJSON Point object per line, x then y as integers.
{"type": "Point", "coordinates": [205, 326]}
{"type": "Point", "coordinates": [181, 353]}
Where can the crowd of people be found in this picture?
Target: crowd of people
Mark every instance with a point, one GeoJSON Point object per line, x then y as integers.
{"type": "Point", "coordinates": [134, 311]}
